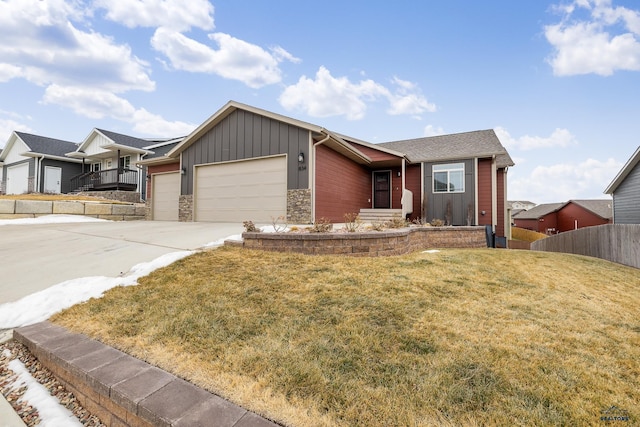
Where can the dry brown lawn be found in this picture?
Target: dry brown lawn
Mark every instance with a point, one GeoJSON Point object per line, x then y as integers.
{"type": "Point", "coordinates": [459, 337]}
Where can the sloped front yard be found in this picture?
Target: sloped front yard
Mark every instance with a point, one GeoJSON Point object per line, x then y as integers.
{"type": "Point", "coordinates": [459, 337]}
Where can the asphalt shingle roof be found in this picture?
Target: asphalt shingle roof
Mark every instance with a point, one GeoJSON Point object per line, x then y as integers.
{"type": "Point", "coordinates": [129, 141]}
{"type": "Point", "coordinates": [467, 145]}
{"type": "Point", "coordinates": [539, 211]}
{"type": "Point", "coordinates": [601, 207]}
{"type": "Point", "coordinates": [45, 145]}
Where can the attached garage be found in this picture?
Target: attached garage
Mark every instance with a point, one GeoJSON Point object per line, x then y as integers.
{"type": "Point", "coordinates": [166, 192]}
{"type": "Point", "coordinates": [247, 190]}
{"type": "Point", "coordinates": [18, 179]}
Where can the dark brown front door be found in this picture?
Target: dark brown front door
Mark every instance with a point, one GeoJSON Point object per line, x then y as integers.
{"type": "Point", "coordinates": [382, 190]}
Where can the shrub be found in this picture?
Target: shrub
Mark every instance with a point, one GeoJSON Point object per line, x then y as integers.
{"type": "Point", "coordinates": [250, 227]}
{"type": "Point", "coordinates": [397, 222]}
{"type": "Point", "coordinates": [437, 222]}
{"type": "Point", "coordinates": [322, 225]}
{"type": "Point", "coordinates": [378, 225]}
{"type": "Point", "coordinates": [279, 223]}
{"type": "Point", "coordinates": [352, 222]}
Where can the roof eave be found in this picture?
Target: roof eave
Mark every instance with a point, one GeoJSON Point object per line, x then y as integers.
{"type": "Point", "coordinates": [624, 172]}
{"type": "Point", "coordinates": [127, 148]}
{"type": "Point", "coordinates": [164, 160]}
{"type": "Point", "coordinates": [50, 156]}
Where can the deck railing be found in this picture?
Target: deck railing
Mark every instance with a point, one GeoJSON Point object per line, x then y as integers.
{"type": "Point", "coordinates": [108, 179]}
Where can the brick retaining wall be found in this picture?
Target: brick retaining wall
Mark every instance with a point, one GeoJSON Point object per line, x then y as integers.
{"type": "Point", "coordinates": [371, 243]}
{"type": "Point", "coordinates": [13, 209]}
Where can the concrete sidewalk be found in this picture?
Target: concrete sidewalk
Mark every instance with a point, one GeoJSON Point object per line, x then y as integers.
{"type": "Point", "coordinates": [35, 257]}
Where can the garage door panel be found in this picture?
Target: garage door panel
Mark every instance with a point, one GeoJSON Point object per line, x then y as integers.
{"type": "Point", "coordinates": [18, 179]}
{"type": "Point", "coordinates": [166, 193]}
{"type": "Point", "coordinates": [253, 190]}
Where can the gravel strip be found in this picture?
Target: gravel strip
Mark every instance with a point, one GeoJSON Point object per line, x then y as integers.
{"type": "Point", "coordinates": [28, 413]}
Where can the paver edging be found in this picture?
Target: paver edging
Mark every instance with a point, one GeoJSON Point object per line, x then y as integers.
{"type": "Point", "coordinates": [117, 388]}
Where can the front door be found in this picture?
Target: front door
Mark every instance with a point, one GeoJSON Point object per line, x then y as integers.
{"type": "Point", "coordinates": [382, 190]}
{"type": "Point", "coordinates": [52, 178]}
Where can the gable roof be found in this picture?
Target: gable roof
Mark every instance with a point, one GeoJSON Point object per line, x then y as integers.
{"type": "Point", "coordinates": [129, 141]}
{"type": "Point", "coordinates": [328, 138]}
{"type": "Point", "coordinates": [624, 172]}
{"type": "Point", "coordinates": [44, 145]}
{"type": "Point", "coordinates": [457, 146]}
{"type": "Point", "coordinates": [539, 211]}
{"type": "Point", "coordinates": [601, 207]}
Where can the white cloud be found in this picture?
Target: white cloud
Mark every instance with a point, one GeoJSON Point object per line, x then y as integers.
{"type": "Point", "coordinates": [605, 41]}
{"type": "Point", "coordinates": [559, 138]}
{"type": "Point", "coordinates": [408, 99]}
{"type": "Point", "coordinates": [431, 130]}
{"type": "Point", "coordinates": [97, 104]}
{"type": "Point", "coordinates": [174, 14]}
{"type": "Point", "coordinates": [9, 125]}
{"type": "Point", "coordinates": [282, 55]}
{"type": "Point", "coordinates": [235, 59]}
{"type": "Point", "coordinates": [564, 181]}
{"type": "Point", "coordinates": [326, 95]}
{"type": "Point", "coordinates": [42, 45]}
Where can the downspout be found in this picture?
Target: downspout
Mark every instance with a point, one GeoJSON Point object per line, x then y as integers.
{"type": "Point", "coordinates": [494, 193]}
{"type": "Point", "coordinates": [313, 173]}
{"type": "Point", "coordinates": [38, 166]}
{"type": "Point", "coordinates": [477, 192]}
{"type": "Point", "coordinates": [142, 179]}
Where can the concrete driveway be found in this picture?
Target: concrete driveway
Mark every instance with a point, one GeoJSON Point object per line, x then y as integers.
{"type": "Point", "coordinates": [34, 257]}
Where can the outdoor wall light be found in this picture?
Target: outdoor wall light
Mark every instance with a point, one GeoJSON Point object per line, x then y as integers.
{"type": "Point", "coordinates": [301, 157]}
{"type": "Point", "coordinates": [183, 171]}
{"type": "Point", "coordinates": [483, 213]}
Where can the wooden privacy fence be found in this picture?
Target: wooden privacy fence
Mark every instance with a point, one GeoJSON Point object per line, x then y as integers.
{"type": "Point", "coordinates": [614, 242]}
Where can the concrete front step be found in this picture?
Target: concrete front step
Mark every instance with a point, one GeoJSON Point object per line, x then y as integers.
{"type": "Point", "coordinates": [379, 215]}
{"type": "Point", "coordinates": [124, 391]}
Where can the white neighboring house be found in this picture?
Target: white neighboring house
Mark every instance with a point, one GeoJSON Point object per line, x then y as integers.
{"type": "Point", "coordinates": [33, 163]}
{"type": "Point", "coordinates": [109, 161]}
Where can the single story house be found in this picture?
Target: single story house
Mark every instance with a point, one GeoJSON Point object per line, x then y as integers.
{"type": "Point", "coordinates": [625, 189]}
{"type": "Point", "coordinates": [245, 163]}
{"type": "Point", "coordinates": [33, 163]}
{"type": "Point", "coordinates": [109, 161]}
{"type": "Point", "coordinates": [553, 218]}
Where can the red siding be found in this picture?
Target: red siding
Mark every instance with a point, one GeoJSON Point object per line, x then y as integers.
{"type": "Point", "coordinates": [500, 178]}
{"type": "Point", "coordinates": [158, 169]}
{"type": "Point", "coordinates": [342, 186]}
{"type": "Point", "coordinates": [484, 192]}
{"type": "Point", "coordinates": [572, 212]}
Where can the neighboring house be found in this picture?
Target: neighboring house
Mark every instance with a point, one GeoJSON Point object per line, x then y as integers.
{"type": "Point", "coordinates": [625, 189]}
{"type": "Point", "coordinates": [552, 218]}
{"type": "Point", "coordinates": [109, 161]}
{"type": "Point", "coordinates": [245, 163]}
{"type": "Point", "coordinates": [33, 163]}
{"type": "Point", "coordinates": [520, 205]}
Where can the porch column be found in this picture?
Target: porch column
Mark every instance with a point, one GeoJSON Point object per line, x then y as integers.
{"type": "Point", "coordinates": [118, 171]}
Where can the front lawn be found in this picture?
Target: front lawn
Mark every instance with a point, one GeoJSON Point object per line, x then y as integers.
{"type": "Point", "coordinates": [458, 337]}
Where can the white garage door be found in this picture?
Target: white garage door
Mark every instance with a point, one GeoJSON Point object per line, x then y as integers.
{"type": "Point", "coordinates": [250, 190]}
{"type": "Point", "coordinates": [18, 179]}
{"type": "Point", "coordinates": [166, 192]}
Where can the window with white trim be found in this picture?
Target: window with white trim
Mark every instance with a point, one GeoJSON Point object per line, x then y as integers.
{"type": "Point", "coordinates": [125, 162]}
{"type": "Point", "coordinates": [95, 167]}
{"type": "Point", "coordinates": [448, 178]}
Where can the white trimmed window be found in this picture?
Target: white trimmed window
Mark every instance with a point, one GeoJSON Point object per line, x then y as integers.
{"type": "Point", "coordinates": [95, 167]}
{"type": "Point", "coordinates": [125, 162]}
{"type": "Point", "coordinates": [448, 178]}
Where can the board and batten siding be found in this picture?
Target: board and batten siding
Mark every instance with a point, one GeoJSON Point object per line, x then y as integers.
{"type": "Point", "coordinates": [626, 199]}
{"type": "Point", "coordinates": [245, 135]}
{"type": "Point", "coordinates": [68, 171]}
{"type": "Point", "coordinates": [436, 203]}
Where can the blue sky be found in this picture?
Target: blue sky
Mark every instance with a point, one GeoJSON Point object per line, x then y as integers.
{"type": "Point", "coordinates": [559, 81]}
